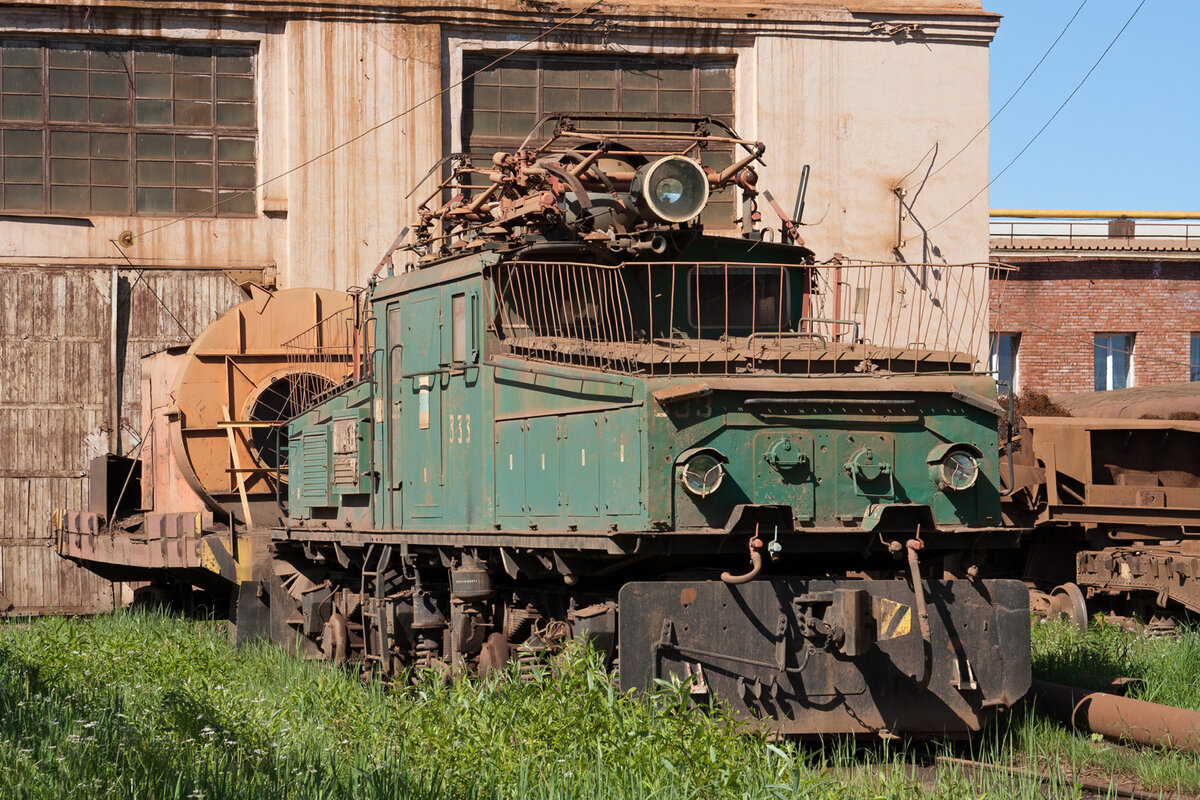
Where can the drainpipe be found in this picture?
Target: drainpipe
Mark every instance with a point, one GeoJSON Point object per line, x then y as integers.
{"type": "Point", "coordinates": [114, 443]}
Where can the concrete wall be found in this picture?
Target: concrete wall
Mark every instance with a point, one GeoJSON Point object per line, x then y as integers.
{"type": "Point", "coordinates": [357, 100]}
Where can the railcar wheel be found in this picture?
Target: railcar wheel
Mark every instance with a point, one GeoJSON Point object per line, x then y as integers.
{"type": "Point", "coordinates": [1067, 602]}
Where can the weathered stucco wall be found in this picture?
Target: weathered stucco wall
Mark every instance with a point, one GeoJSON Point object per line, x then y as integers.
{"type": "Point", "coordinates": [871, 117]}
{"type": "Point", "coordinates": [866, 115]}
{"type": "Point", "coordinates": [345, 209]}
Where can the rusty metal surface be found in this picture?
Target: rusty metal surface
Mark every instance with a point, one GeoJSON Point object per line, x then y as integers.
{"type": "Point", "coordinates": [328, 355]}
{"type": "Point", "coordinates": [163, 541]}
{"type": "Point", "coordinates": [228, 367]}
{"type": "Point", "coordinates": [55, 398]}
{"type": "Point", "coordinates": [1121, 718]}
{"type": "Point", "coordinates": [161, 309]}
{"type": "Point", "coordinates": [1170, 572]}
{"type": "Point", "coordinates": [578, 177]}
{"type": "Point", "coordinates": [631, 318]}
{"type": "Point", "coordinates": [164, 487]}
{"type": "Point", "coordinates": [833, 656]}
{"type": "Point", "coordinates": [1161, 401]}
{"type": "Point", "coordinates": [1119, 472]}
{"type": "Point", "coordinates": [1127, 492]}
{"type": "Point", "coordinates": [150, 547]}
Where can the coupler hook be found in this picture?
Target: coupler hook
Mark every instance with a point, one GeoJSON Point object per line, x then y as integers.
{"type": "Point", "coordinates": [755, 563]}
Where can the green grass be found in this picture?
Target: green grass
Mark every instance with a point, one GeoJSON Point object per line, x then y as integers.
{"type": "Point", "coordinates": [139, 705]}
{"type": "Point", "coordinates": [1167, 671]}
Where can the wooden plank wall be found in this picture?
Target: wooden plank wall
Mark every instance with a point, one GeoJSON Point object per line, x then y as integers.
{"type": "Point", "coordinates": [55, 393]}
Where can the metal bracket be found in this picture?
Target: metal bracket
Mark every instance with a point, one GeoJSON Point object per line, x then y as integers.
{"type": "Point", "coordinates": [965, 681]}
{"type": "Point", "coordinates": [667, 641]}
{"type": "Point", "coordinates": [699, 685]}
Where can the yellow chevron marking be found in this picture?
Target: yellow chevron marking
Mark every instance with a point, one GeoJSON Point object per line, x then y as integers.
{"type": "Point", "coordinates": [893, 619]}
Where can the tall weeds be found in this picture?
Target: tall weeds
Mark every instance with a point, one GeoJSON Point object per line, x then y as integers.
{"type": "Point", "coordinates": [139, 705]}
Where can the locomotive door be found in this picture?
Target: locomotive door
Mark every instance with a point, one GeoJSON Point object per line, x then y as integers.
{"type": "Point", "coordinates": [395, 401]}
{"type": "Point", "coordinates": [422, 429]}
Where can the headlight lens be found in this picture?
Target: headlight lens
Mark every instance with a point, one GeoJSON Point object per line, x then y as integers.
{"type": "Point", "coordinates": [668, 191]}
{"type": "Point", "coordinates": [702, 474]}
{"type": "Point", "coordinates": [958, 470]}
{"type": "Point", "coordinates": [672, 189]}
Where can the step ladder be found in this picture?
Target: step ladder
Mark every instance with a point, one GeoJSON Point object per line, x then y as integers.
{"type": "Point", "coordinates": [377, 624]}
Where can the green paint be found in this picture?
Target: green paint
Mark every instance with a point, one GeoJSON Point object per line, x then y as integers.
{"type": "Point", "coordinates": [469, 437]}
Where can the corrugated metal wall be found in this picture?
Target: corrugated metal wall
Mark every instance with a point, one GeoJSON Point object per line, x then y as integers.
{"type": "Point", "coordinates": [55, 398]}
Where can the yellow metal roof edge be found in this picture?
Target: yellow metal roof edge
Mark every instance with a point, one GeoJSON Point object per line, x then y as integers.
{"type": "Point", "coordinates": [1058, 213]}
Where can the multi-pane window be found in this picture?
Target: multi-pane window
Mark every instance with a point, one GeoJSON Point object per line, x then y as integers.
{"type": "Point", "coordinates": [1195, 362]}
{"type": "Point", "coordinates": [502, 103]}
{"type": "Point", "coordinates": [112, 127]}
{"type": "Point", "coordinates": [1004, 348]}
{"type": "Point", "coordinates": [1113, 360]}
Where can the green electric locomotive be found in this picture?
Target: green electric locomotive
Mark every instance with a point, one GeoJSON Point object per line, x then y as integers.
{"type": "Point", "coordinates": [574, 413]}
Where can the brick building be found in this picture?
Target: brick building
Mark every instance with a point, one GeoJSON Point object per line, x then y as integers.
{"type": "Point", "coordinates": [1095, 305]}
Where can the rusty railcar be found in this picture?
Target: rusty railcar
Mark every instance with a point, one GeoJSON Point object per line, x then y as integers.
{"type": "Point", "coordinates": [563, 409]}
{"type": "Point", "coordinates": [1115, 507]}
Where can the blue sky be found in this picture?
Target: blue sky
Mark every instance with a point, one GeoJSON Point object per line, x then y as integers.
{"type": "Point", "coordinates": [1130, 138]}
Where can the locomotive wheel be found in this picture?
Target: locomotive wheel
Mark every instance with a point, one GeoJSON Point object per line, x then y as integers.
{"type": "Point", "coordinates": [1067, 602]}
{"type": "Point", "coordinates": [494, 654]}
{"type": "Point", "coordinates": [335, 640]}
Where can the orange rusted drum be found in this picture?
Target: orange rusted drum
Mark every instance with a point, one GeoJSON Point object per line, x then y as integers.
{"type": "Point", "coordinates": [236, 388]}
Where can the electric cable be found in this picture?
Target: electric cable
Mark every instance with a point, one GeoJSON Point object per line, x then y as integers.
{"type": "Point", "coordinates": [1011, 97]}
{"type": "Point", "coordinates": [139, 278]}
{"type": "Point", "coordinates": [1046, 125]}
{"type": "Point", "coordinates": [377, 126]}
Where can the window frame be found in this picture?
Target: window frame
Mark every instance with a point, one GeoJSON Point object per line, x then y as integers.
{"type": "Point", "coordinates": [996, 358]}
{"type": "Point", "coordinates": [458, 328]}
{"type": "Point", "coordinates": [128, 49]}
{"type": "Point", "coordinates": [474, 59]}
{"type": "Point", "coordinates": [1104, 350]}
{"type": "Point", "coordinates": [783, 315]}
{"type": "Point", "coordinates": [543, 62]}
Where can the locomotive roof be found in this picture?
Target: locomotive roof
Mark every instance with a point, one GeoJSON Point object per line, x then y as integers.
{"type": "Point", "coordinates": [706, 248]}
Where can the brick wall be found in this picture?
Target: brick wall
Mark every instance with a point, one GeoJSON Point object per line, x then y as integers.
{"type": "Point", "coordinates": [1057, 305]}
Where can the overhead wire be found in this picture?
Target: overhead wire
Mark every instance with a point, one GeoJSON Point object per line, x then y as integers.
{"type": "Point", "coordinates": [138, 278]}
{"type": "Point", "coordinates": [1011, 97]}
{"type": "Point", "coordinates": [1041, 130]}
{"type": "Point", "coordinates": [363, 134]}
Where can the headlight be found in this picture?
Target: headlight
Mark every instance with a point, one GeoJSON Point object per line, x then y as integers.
{"type": "Point", "coordinates": [702, 474]}
{"type": "Point", "coordinates": [672, 189]}
{"type": "Point", "coordinates": [957, 471]}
